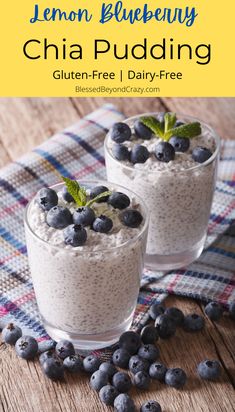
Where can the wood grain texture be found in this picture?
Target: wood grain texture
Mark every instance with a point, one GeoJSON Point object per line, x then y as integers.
{"type": "Point", "coordinates": [25, 123]}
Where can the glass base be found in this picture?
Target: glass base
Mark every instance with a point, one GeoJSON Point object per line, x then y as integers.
{"type": "Point", "coordinates": [176, 260]}
{"type": "Point", "coordinates": [83, 341]}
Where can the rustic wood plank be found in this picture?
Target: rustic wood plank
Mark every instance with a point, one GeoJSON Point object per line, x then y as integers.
{"type": "Point", "coordinates": [33, 392]}
{"type": "Point", "coordinates": [218, 112]}
{"type": "Point", "coordinates": [127, 105]}
{"type": "Point", "coordinates": [24, 123]}
{"type": "Point", "coordinates": [4, 155]}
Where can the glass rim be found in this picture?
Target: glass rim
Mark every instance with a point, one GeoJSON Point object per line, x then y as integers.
{"type": "Point", "coordinates": [185, 116]}
{"type": "Point", "coordinates": [97, 251]}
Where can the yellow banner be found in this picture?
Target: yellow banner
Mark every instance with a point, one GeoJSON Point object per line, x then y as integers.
{"type": "Point", "coordinates": [123, 48]}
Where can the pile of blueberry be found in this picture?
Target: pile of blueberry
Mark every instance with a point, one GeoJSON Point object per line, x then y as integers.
{"type": "Point", "coordinates": [164, 151]}
{"type": "Point", "coordinates": [74, 225]}
{"type": "Point", "coordinates": [136, 352]}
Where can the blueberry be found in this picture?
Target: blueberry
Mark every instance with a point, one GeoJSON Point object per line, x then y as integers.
{"type": "Point", "coordinates": [91, 363]}
{"type": "Point", "coordinates": [151, 406]}
{"type": "Point", "coordinates": [149, 334]}
{"type": "Point", "coordinates": [139, 154]}
{"type": "Point", "coordinates": [165, 326]}
{"type": "Point", "coordinates": [155, 310]}
{"type": "Point", "coordinates": [122, 382]}
{"type": "Point", "coordinates": [98, 380]}
{"type": "Point", "coordinates": [175, 377]}
{"type": "Point", "coordinates": [176, 314]}
{"type": "Point", "coordinates": [121, 358]}
{"type": "Point", "coordinates": [108, 368]}
{"type": "Point", "coordinates": [142, 131]}
{"type": "Point", "coordinates": [120, 132]}
{"type": "Point", "coordinates": [47, 198]}
{"type": "Point", "coordinates": [64, 348]}
{"type": "Point", "coordinates": [75, 235]}
{"type": "Point", "coordinates": [157, 371]}
{"type": "Point", "coordinates": [11, 333]}
{"type": "Point", "coordinates": [119, 200]}
{"type": "Point", "coordinates": [179, 123]}
{"type": "Point", "coordinates": [180, 144]}
{"type": "Point", "coordinates": [59, 217]}
{"type": "Point", "coordinates": [141, 380]}
{"type": "Point", "coordinates": [193, 322]}
{"type": "Point", "coordinates": [209, 369]}
{"type": "Point", "coordinates": [120, 152]}
{"type": "Point", "coordinates": [53, 369]}
{"type": "Point", "coordinates": [26, 347]}
{"type": "Point", "coordinates": [46, 345]}
{"type": "Point", "coordinates": [131, 218]}
{"type": "Point", "coordinates": [232, 310]}
{"type": "Point", "coordinates": [123, 403]}
{"type": "Point", "coordinates": [214, 310]}
{"type": "Point", "coordinates": [201, 154]}
{"type": "Point", "coordinates": [47, 355]}
{"type": "Point", "coordinates": [66, 195]}
{"type": "Point", "coordinates": [130, 341]}
{"type": "Point", "coordinates": [164, 152]}
{"type": "Point", "coordinates": [149, 352]}
{"type": "Point", "coordinates": [102, 224]}
{"type": "Point", "coordinates": [96, 191]}
{"type": "Point", "coordinates": [84, 216]}
{"type": "Point", "coordinates": [137, 364]}
{"type": "Point", "coordinates": [107, 394]}
{"type": "Point", "coordinates": [73, 363]}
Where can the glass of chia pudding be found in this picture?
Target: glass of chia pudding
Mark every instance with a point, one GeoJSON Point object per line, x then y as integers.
{"type": "Point", "coordinates": [86, 244]}
{"type": "Point", "coordinates": [171, 163]}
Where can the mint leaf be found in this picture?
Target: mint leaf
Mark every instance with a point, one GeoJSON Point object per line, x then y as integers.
{"type": "Point", "coordinates": [187, 130]}
{"type": "Point", "coordinates": [153, 124]}
{"type": "Point", "coordinates": [76, 191]}
{"type": "Point", "coordinates": [98, 197]}
{"type": "Point", "coordinates": [169, 120]}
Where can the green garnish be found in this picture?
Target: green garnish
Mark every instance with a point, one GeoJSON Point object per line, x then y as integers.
{"type": "Point", "coordinates": [79, 193]}
{"type": "Point", "coordinates": [165, 132]}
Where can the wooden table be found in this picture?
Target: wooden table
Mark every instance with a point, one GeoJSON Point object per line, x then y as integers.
{"type": "Point", "coordinates": [25, 123]}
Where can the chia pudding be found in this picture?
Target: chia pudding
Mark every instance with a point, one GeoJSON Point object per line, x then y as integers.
{"type": "Point", "coordinates": [86, 275]}
{"type": "Point", "coordinates": [175, 176]}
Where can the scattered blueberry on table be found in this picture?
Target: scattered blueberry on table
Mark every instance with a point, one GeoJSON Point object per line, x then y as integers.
{"type": "Point", "coordinates": [64, 348]}
{"type": "Point", "coordinates": [123, 403]}
{"type": "Point", "coordinates": [214, 311]}
{"type": "Point", "coordinates": [175, 377]}
{"type": "Point", "coordinates": [209, 369]}
{"type": "Point", "coordinates": [157, 371]}
{"type": "Point", "coordinates": [151, 406]}
{"type": "Point", "coordinates": [121, 358]}
{"type": "Point", "coordinates": [122, 382]}
{"type": "Point", "coordinates": [26, 347]}
{"type": "Point", "coordinates": [165, 326]}
{"type": "Point", "coordinates": [98, 380]}
{"type": "Point", "coordinates": [141, 380]}
{"type": "Point", "coordinates": [193, 322]}
{"type": "Point", "coordinates": [73, 363]}
{"type": "Point", "coordinates": [11, 333]}
{"type": "Point", "coordinates": [133, 353]}
{"type": "Point", "coordinates": [155, 310]}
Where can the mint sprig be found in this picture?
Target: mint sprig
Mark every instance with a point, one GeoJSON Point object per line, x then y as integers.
{"type": "Point", "coordinates": [79, 194]}
{"type": "Point", "coordinates": [165, 132]}
{"type": "Point", "coordinates": [153, 124]}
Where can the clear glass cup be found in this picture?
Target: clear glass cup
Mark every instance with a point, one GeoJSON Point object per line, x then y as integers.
{"type": "Point", "coordinates": [179, 203]}
{"type": "Point", "coordinates": [87, 297]}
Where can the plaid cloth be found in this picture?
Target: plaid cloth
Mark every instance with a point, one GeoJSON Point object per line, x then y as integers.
{"type": "Point", "coordinates": [77, 152]}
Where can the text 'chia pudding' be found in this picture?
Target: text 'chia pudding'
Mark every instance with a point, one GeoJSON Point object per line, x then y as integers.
{"type": "Point", "coordinates": [171, 164]}
{"type": "Point", "coordinates": [86, 245]}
